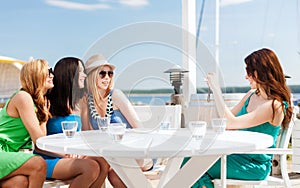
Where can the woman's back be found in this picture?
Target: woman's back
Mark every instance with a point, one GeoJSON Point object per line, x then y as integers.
{"type": "Point", "coordinates": [14, 134]}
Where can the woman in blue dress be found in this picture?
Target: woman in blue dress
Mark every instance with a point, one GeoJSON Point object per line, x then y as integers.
{"type": "Point", "coordinates": [65, 99]}
{"type": "Point", "coordinates": [265, 108]}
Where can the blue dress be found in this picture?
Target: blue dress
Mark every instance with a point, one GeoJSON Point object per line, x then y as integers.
{"type": "Point", "coordinates": [243, 166]}
{"type": "Point", "coordinates": [54, 127]}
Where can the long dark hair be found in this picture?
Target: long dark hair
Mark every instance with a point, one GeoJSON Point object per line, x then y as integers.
{"type": "Point", "coordinates": [269, 76]}
{"type": "Point", "coordinates": [66, 92]}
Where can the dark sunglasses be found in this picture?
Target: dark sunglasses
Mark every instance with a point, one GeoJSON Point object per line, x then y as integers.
{"type": "Point", "coordinates": [103, 74]}
{"type": "Point", "coordinates": [50, 71]}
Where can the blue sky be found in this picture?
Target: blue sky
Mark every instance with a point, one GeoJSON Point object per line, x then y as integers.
{"type": "Point", "coordinates": [52, 29]}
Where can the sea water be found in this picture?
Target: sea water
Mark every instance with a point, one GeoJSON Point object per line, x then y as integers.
{"type": "Point", "coordinates": [149, 99]}
{"type": "Point", "coordinates": [166, 98]}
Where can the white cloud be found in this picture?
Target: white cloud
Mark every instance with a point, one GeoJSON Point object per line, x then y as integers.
{"type": "Point", "coordinates": [232, 2]}
{"type": "Point", "coordinates": [105, 4]}
{"type": "Point", "coordinates": [77, 6]}
{"type": "Point", "coordinates": [134, 3]}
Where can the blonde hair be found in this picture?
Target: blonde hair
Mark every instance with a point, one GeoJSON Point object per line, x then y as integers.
{"type": "Point", "coordinates": [92, 78]}
{"type": "Point", "coordinates": [33, 77]}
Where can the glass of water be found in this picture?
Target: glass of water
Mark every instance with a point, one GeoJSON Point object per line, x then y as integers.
{"type": "Point", "coordinates": [117, 131]}
{"type": "Point", "coordinates": [103, 123]}
{"type": "Point", "coordinates": [69, 128]}
{"type": "Point", "coordinates": [198, 129]}
{"type": "Point", "coordinates": [219, 124]}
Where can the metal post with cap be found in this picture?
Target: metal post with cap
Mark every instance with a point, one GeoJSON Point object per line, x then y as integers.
{"type": "Point", "coordinates": [176, 79]}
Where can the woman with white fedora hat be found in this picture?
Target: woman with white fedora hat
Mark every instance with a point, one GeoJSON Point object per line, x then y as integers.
{"type": "Point", "coordinates": [104, 101]}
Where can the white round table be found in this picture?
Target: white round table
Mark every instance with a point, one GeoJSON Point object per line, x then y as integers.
{"type": "Point", "coordinates": [146, 143]}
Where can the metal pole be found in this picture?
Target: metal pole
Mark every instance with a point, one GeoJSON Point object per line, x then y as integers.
{"type": "Point", "coordinates": [189, 46]}
{"type": "Point", "coordinates": [217, 37]}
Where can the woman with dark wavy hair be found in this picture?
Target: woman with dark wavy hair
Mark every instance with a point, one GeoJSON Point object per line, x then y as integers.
{"type": "Point", "coordinates": [265, 108]}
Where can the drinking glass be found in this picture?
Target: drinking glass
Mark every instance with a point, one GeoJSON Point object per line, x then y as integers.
{"type": "Point", "coordinates": [69, 128]}
{"type": "Point", "coordinates": [198, 129]}
{"type": "Point", "coordinates": [165, 125]}
{"type": "Point", "coordinates": [219, 124]}
{"type": "Point", "coordinates": [117, 131]}
{"type": "Point", "coordinates": [103, 123]}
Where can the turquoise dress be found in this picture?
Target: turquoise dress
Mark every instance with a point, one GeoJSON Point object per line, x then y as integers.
{"type": "Point", "coordinates": [54, 127]}
{"type": "Point", "coordinates": [243, 166]}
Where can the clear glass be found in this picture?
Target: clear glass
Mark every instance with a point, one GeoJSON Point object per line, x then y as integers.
{"type": "Point", "coordinates": [69, 128]}
{"type": "Point", "coordinates": [219, 124]}
{"type": "Point", "coordinates": [103, 123]}
{"type": "Point", "coordinates": [198, 129]}
{"type": "Point", "coordinates": [117, 131]}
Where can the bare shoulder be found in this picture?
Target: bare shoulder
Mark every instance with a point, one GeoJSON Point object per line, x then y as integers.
{"type": "Point", "coordinates": [118, 92]}
{"type": "Point", "coordinates": [120, 100]}
{"type": "Point", "coordinates": [246, 96]}
{"type": "Point", "coordinates": [248, 93]}
{"type": "Point", "coordinates": [20, 103]}
{"type": "Point", "coordinates": [278, 106]}
{"type": "Point", "coordinates": [83, 100]}
{"type": "Point", "coordinates": [278, 113]}
{"type": "Point", "coordinates": [268, 109]}
{"type": "Point", "coordinates": [22, 97]}
{"type": "Point", "coordinates": [241, 103]}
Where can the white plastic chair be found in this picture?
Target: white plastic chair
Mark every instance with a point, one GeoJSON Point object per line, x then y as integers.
{"type": "Point", "coordinates": [200, 109]}
{"type": "Point", "coordinates": [55, 183]}
{"type": "Point", "coordinates": [60, 183]}
{"type": "Point", "coordinates": [151, 116]}
{"type": "Point", "coordinates": [282, 150]}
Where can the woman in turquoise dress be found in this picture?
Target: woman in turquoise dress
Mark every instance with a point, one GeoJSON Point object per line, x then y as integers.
{"type": "Point", "coordinates": [22, 121]}
{"type": "Point", "coordinates": [265, 108]}
{"type": "Point", "coordinates": [65, 99]}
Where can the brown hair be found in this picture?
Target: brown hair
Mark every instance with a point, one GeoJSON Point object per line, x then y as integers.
{"type": "Point", "coordinates": [33, 77]}
{"type": "Point", "coordinates": [269, 76]}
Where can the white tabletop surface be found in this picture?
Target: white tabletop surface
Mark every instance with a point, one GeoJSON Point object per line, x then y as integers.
{"type": "Point", "coordinates": [163, 143]}
{"type": "Point", "coordinates": [172, 144]}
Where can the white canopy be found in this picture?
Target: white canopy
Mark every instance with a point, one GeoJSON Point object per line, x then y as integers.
{"type": "Point", "coordinates": [9, 76]}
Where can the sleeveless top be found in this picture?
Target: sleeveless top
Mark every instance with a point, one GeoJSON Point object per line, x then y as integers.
{"type": "Point", "coordinates": [54, 123]}
{"type": "Point", "coordinates": [13, 134]}
{"type": "Point", "coordinates": [54, 127]}
{"type": "Point", "coordinates": [265, 128]}
{"type": "Point", "coordinates": [115, 115]}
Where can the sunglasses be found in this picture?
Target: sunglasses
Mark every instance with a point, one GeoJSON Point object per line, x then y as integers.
{"type": "Point", "coordinates": [50, 71]}
{"type": "Point", "coordinates": [103, 74]}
